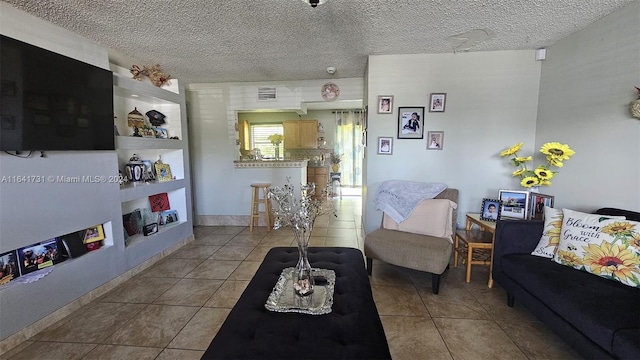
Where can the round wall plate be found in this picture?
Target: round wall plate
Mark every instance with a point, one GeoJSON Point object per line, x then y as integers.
{"type": "Point", "coordinates": [330, 91]}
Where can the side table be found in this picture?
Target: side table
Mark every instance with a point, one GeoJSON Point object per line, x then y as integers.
{"type": "Point", "coordinates": [475, 244]}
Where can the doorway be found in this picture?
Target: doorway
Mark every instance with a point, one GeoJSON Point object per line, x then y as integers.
{"type": "Point", "coordinates": [349, 143]}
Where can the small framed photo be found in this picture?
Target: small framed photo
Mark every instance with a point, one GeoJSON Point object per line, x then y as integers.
{"type": "Point", "coordinates": [385, 104]}
{"type": "Point", "coordinates": [410, 123]}
{"type": "Point", "coordinates": [435, 140]}
{"type": "Point", "coordinates": [437, 102]}
{"type": "Point", "coordinates": [94, 233]}
{"type": "Point", "coordinates": [537, 202]}
{"type": "Point", "coordinates": [169, 216]}
{"type": "Point", "coordinates": [38, 256]}
{"type": "Point", "coordinates": [9, 269]}
{"type": "Point", "coordinates": [490, 209]}
{"type": "Point", "coordinates": [515, 204]}
{"type": "Point", "coordinates": [161, 133]}
{"type": "Point", "coordinates": [163, 172]}
{"type": "Point", "coordinates": [385, 145]}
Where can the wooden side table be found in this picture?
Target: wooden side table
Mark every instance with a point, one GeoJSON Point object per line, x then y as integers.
{"type": "Point", "coordinates": [477, 244]}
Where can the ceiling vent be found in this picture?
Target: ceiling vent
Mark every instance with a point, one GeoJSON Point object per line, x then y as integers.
{"type": "Point", "coordinates": [267, 94]}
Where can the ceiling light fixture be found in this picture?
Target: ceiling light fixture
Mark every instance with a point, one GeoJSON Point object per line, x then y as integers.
{"type": "Point", "coordinates": [315, 3]}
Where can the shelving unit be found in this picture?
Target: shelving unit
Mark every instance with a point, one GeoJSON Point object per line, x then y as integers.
{"type": "Point", "coordinates": [130, 94]}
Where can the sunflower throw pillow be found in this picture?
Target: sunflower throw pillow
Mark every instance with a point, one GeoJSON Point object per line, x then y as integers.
{"type": "Point", "coordinates": [550, 233]}
{"type": "Point", "coordinates": [600, 245]}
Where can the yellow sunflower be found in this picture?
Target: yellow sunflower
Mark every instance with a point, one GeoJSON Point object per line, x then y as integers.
{"type": "Point", "coordinates": [518, 172]}
{"type": "Point", "coordinates": [545, 182]}
{"type": "Point", "coordinates": [557, 150]}
{"type": "Point", "coordinates": [543, 174]}
{"type": "Point", "coordinates": [554, 161]}
{"type": "Point", "coordinates": [554, 233]}
{"type": "Point", "coordinates": [521, 159]}
{"type": "Point", "coordinates": [618, 228]}
{"type": "Point", "coordinates": [568, 258]}
{"type": "Point", "coordinates": [612, 260]}
{"type": "Point", "coordinates": [635, 240]}
{"type": "Point", "coordinates": [529, 181]}
{"type": "Point", "coordinates": [512, 150]}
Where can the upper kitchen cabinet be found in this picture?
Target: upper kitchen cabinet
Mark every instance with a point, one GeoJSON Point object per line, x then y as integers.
{"type": "Point", "coordinates": [300, 134]}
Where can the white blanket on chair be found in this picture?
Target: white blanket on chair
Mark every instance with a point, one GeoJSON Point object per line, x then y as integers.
{"type": "Point", "coordinates": [398, 198]}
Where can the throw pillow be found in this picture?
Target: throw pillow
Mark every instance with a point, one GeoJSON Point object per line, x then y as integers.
{"type": "Point", "coordinates": [430, 217]}
{"type": "Point", "coordinates": [600, 245]}
{"type": "Point", "coordinates": [550, 234]}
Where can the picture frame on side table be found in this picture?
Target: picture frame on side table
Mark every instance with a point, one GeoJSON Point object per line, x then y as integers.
{"type": "Point", "coordinates": [410, 122]}
{"type": "Point", "coordinates": [515, 204]}
{"type": "Point", "coordinates": [163, 172]}
{"type": "Point", "coordinates": [490, 210]}
{"type": "Point", "coordinates": [435, 140]}
{"type": "Point", "coordinates": [385, 145]}
{"type": "Point", "coordinates": [437, 102]}
{"type": "Point", "coordinates": [537, 202]}
{"type": "Point", "coordinates": [385, 104]}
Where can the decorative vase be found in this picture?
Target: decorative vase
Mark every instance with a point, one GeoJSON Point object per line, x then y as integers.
{"type": "Point", "coordinates": [534, 189]}
{"type": "Point", "coordinates": [335, 168]}
{"type": "Point", "coordinates": [278, 152]}
{"type": "Point", "coordinates": [302, 276]}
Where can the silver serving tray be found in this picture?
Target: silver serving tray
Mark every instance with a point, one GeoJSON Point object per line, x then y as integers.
{"type": "Point", "coordinates": [284, 299]}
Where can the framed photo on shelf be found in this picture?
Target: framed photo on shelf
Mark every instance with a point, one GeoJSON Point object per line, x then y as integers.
{"type": "Point", "coordinates": [161, 133]}
{"type": "Point", "coordinates": [385, 145]}
{"type": "Point", "coordinates": [169, 216]}
{"type": "Point", "coordinates": [515, 204]}
{"type": "Point", "coordinates": [38, 256]}
{"type": "Point", "coordinates": [9, 269]}
{"type": "Point", "coordinates": [435, 140]}
{"type": "Point", "coordinates": [490, 209]}
{"type": "Point", "coordinates": [95, 233]}
{"type": "Point", "coordinates": [385, 104]}
{"type": "Point", "coordinates": [537, 202]}
{"type": "Point", "coordinates": [410, 122]}
{"type": "Point", "coordinates": [437, 102]}
{"type": "Point", "coordinates": [133, 222]}
{"type": "Point", "coordinates": [163, 172]}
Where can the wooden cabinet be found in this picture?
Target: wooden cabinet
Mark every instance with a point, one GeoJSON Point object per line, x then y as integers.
{"type": "Point", "coordinates": [319, 176]}
{"type": "Point", "coordinates": [300, 134]}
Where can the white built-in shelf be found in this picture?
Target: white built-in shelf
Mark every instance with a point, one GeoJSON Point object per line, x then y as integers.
{"type": "Point", "coordinates": [137, 143]}
{"type": "Point", "coordinates": [163, 231]}
{"type": "Point", "coordinates": [128, 87]}
{"type": "Point", "coordinates": [140, 189]}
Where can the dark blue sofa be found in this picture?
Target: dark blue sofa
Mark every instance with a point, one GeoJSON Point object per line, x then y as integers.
{"type": "Point", "coordinates": [599, 318]}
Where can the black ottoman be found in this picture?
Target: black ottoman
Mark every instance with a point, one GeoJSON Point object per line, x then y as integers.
{"type": "Point", "coordinates": [352, 330]}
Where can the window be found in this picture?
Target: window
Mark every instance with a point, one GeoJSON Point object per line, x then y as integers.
{"type": "Point", "coordinates": [260, 139]}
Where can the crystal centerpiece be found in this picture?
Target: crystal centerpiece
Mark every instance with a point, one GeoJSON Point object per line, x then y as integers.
{"type": "Point", "coordinates": [299, 213]}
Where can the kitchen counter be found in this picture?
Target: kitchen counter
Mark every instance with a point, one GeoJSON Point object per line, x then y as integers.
{"type": "Point", "coordinates": [257, 164]}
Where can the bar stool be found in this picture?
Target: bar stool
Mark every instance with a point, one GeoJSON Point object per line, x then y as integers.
{"type": "Point", "coordinates": [255, 205]}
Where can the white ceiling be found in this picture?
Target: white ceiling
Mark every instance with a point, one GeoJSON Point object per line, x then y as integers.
{"type": "Point", "coordinates": [264, 40]}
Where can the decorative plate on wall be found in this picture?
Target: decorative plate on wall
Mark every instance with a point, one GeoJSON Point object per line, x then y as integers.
{"type": "Point", "coordinates": [330, 91]}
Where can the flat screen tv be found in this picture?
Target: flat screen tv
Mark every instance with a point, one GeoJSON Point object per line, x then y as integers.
{"type": "Point", "coordinates": [52, 102]}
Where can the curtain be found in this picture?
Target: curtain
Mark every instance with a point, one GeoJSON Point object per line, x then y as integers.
{"type": "Point", "coordinates": [349, 143]}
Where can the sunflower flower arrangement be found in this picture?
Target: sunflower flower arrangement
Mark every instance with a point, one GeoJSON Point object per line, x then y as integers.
{"type": "Point", "coordinates": [555, 153]}
{"type": "Point", "coordinates": [276, 139]}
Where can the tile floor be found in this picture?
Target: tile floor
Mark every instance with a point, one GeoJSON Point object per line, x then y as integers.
{"type": "Point", "coordinates": [174, 309]}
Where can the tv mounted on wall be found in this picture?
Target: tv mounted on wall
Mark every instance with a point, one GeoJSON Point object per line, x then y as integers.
{"type": "Point", "coordinates": [52, 102]}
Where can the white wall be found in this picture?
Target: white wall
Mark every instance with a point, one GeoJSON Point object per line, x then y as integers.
{"type": "Point", "coordinates": [586, 85]}
{"type": "Point", "coordinates": [492, 100]}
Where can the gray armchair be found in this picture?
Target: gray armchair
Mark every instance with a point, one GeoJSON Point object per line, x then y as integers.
{"type": "Point", "coordinates": [414, 251]}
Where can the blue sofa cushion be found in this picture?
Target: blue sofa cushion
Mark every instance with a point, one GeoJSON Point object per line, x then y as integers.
{"type": "Point", "coordinates": [605, 311]}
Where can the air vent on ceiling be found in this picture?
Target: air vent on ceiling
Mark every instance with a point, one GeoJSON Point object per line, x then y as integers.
{"type": "Point", "coordinates": [267, 94]}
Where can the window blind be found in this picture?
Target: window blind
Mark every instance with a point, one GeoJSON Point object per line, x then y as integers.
{"type": "Point", "coordinates": [260, 139]}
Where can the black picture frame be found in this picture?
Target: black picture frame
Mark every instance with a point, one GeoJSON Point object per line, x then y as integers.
{"type": "Point", "coordinates": [408, 126]}
{"type": "Point", "coordinates": [486, 212]}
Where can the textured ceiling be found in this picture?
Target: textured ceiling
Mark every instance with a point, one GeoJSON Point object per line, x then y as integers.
{"type": "Point", "coordinates": [252, 40]}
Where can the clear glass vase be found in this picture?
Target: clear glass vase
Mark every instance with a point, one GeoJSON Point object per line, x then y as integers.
{"type": "Point", "coordinates": [302, 275]}
{"type": "Point", "coordinates": [277, 152]}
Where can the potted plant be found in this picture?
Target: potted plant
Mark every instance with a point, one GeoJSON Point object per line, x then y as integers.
{"type": "Point", "coordinates": [335, 161]}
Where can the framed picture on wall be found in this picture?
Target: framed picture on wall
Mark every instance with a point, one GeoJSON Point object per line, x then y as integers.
{"type": "Point", "coordinates": [437, 102]}
{"type": "Point", "coordinates": [385, 104]}
{"type": "Point", "coordinates": [410, 122]}
{"type": "Point", "coordinates": [435, 140]}
{"type": "Point", "coordinates": [385, 145]}
{"type": "Point", "coordinates": [515, 204]}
